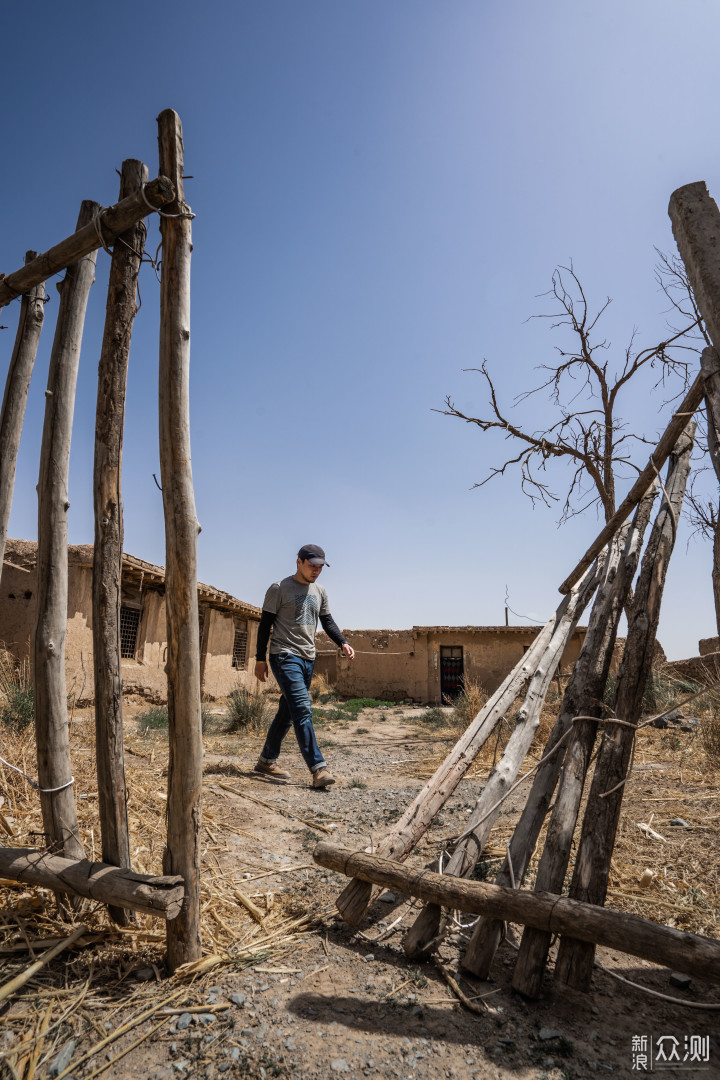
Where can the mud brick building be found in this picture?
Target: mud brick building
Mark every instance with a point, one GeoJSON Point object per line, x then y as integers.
{"type": "Point", "coordinates": [429, 663]}
{"type": "Point", "coordinates": [228, 627]}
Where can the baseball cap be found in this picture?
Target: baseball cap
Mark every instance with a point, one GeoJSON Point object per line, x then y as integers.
{"type": "Point", "coordinates": [313, 554]}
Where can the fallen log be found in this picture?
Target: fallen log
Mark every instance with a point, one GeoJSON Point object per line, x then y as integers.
{"type": "Point", "coordinates": [114, 885]}
{"type": "Point", "coordinates": [99, 232]}
{"type": "Point", "coordinates": [676, 949]}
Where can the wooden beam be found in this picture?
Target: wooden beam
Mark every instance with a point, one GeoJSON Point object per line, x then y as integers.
{"type": "Point", "coordinates": [602, 814]}
{"type": "Point", "coordinates": [182, 854]}
{"type": "Point", "coordinates": [695, 219]}
{"type": "Point", "coordinates": [681, 951]}
{"type": "Point", "coordinates": [686, 410]}
{"type": "Point", "coordinates": [51, 718]}
{"type": "Point", "coordinates": [17, 385]}
{"type": "Point", "coordinates": [586, 701]}
{"type": "Point", "coordinates": [112, 885]}
{"type": "Point", "coordinates": [120, 314]}
{"type": "Point", "coordinates": [114, 221]}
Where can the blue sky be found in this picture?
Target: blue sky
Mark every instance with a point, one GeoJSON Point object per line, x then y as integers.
{"type": "Point", "coordinates": [382, 190]}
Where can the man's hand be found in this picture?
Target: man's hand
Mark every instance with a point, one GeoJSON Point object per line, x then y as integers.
{"type": "Point", "coordinates": [347, 650]}
{"type": "Point", "coordinates": [261, 670]}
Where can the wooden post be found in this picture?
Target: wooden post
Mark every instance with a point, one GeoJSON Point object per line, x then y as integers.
{"type": "Point", "coordinates": [111, 885]}
{"type": "Point", "coordinates": [676, 949]}
{"type": "Point", "coordinates": [356, 897]}
{"type": "Point", "coordinates": [114, 221]}
{"type": "Point", "coordinates": [587, 702]}
{"type": "Point", "coordinates": [32, 313]}
{"type": "Point", "coordinates": [51, 719]}
{"type": "Point", "coordinates": [107, 551]}
{"type": "Point", "coordinates": [182, 854]}
{"type": "Point", "coordinates": [592, 867]}
{"type": "Point", "coordinates": [468, 850]}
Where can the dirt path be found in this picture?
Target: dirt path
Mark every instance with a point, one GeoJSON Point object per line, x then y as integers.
{"type": "Point", "coordinates": [348, 1003]}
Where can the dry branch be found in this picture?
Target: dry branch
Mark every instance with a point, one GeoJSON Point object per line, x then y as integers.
{"type": "Point", "coordinates": [114, 221]}
{"type": "Point", "coordinates": [659, 456]}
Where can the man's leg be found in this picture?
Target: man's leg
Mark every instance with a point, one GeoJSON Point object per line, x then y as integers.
{"type": "Point", "coordinates": [293, 675]}
{"type": "Point", "coordinates": [276, 733]}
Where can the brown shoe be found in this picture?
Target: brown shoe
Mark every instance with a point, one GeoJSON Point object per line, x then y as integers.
{"type": "Point", "coordinates": [271, 770]}
{"type": "Point", "coordinates": [322, 778]}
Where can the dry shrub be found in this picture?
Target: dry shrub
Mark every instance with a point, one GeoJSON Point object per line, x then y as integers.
{"type": "Point", "coordinates": [321, 689]}
{"type": "Point", "coordinates": [710, 737]}
{"type": "Point", "coordinates": [468, 703]}
{"type": "Point", "coordinates": [16, 691]}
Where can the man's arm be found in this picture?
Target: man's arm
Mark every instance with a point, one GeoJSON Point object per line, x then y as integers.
{"type": "Point", "coordinates": [266, 621]}
{"type": "Point", "coordinates": [335, 634]}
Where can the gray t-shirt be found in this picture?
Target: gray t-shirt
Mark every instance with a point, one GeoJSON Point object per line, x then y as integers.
{"type": "Point", "coordinates": [297, 608]}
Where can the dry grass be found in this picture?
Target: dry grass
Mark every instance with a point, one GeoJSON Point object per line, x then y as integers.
{"type": "Point", "coordinates": [97, 975]}
{"type": "Point", "coordinates": [710, 737]}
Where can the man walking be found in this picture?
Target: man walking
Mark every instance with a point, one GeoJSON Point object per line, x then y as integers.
{"type": "Point", "coordinates": [291, 608]}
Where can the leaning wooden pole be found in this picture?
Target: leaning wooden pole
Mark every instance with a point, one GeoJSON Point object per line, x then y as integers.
{"type": "Point", "coordinates": [182, 854]}
{"type": "Point", "coordinates": [51, 718]}
{"type": "Point", "coordinates": [17, 385]}
{"type": "Point", "coordinates": [107, 552]}
{"type": "Point", "coordinates": [677, 949]}
{"type": "Point", "coordinates": [356, 897]}
{"type": "Point", "coordinates": [535, 945]}
{"type": "Point", "coordinates": [592, 867]}
{"type": "Point", "coordinates": [468, 849]}
{"type": "Point", "coordinates": [104, 228]}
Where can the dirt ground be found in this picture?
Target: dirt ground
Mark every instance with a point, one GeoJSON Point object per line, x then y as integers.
{"type": "Point", "coordinates": [295, 991]}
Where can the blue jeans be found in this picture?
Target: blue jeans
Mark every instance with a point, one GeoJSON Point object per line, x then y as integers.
{"type": "Point", "coordinates": [293, 675]}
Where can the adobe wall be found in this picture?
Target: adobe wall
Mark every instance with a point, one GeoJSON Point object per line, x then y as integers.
{"type": "Point", "coordinates": [390, 665]}
{"type": "Point", "coordinates": [145, 675]}
{"type": "Point", "coordinates": [396, 665]}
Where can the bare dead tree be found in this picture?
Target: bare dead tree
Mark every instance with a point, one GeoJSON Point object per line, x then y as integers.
{"type": "Point", "coordinates": [584, 386]}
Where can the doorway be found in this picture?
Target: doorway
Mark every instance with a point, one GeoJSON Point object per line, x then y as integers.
{"type": "Point", "coordinates": [451, 672]}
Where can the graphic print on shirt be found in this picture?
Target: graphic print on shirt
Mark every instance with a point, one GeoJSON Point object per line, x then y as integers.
{"type": "Point", "coordinates": [306, 610]}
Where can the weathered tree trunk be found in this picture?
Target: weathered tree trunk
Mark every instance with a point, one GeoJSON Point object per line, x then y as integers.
{"type": "Point", "coordinates": [182, 854]}
{"type": "Point", "coordinates": [467, 852]}
{"type": "Point", "coordinates": [96, 881]}
{"type": "Point", "coordinates": [535, 944]}
{"type": "Point", "coordinates": [355, 898]}
{"type": "Point", "coordinates": [51, 719]}
{"type": "Point", "coordinates": [17, 384]}
{"type": "Point", "coordinates": [659, 456]}
{"type": "Point", "coordinates": [115, 220]}
{"type": "Point", "coordinates": [602, 926]}
{"type": "Point", "coordinates": [592, 868]}
{"type": "Point", "coordinates": [710, 365]}
{"type": "Point", "coordinates": [107, 552]}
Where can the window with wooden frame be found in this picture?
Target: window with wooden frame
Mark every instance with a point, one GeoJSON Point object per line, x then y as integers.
{"type": "Point", "coordinates": [239, 653]}
{"type": "Point", "coordinates": [129, 624]}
